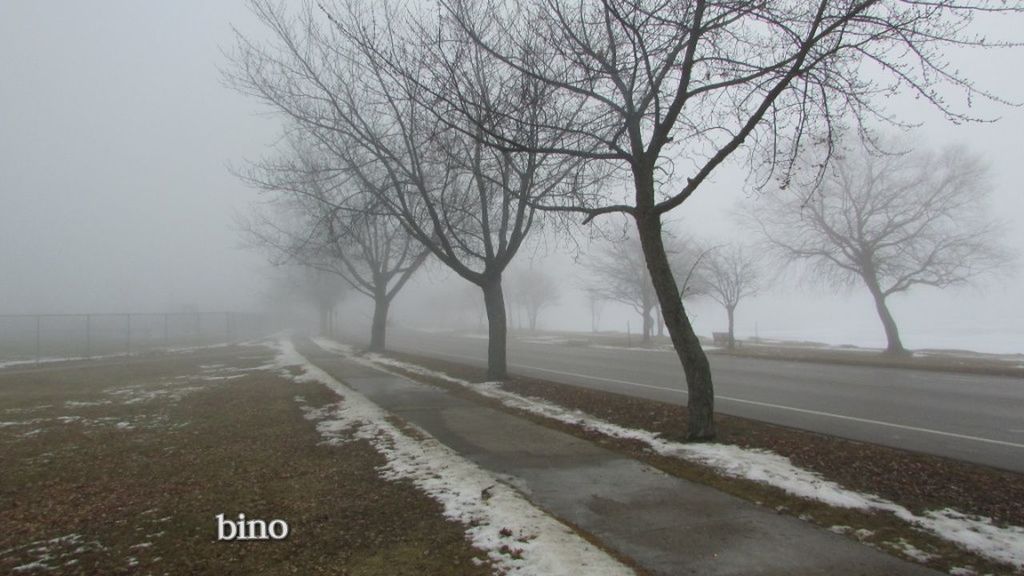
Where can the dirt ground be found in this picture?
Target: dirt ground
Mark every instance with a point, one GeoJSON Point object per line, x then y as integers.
{"type": "Point", "coordinates": [118, 468]}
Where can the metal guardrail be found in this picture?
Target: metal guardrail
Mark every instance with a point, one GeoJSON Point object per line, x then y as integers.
{"type": "Point", "coordinates": [43, 337]}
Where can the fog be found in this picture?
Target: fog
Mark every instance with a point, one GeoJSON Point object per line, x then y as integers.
{"type": "Point", "coordinates": [116, 136]}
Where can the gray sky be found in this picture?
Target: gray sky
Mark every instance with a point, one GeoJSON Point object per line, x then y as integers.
{"type": "Point", "coordinates": [115, 132]}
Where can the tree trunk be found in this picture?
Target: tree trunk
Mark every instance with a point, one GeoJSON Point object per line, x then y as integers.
{"type": "Point", "coordinates": [892, 334]}
{"type": "Point", "coordinates": [648, 323]}
{"type": "Point", "coordinates": [494, 301]}
{"type": "Point", "coordinates": [731, 310]}
{"type": "Point", "coordinates": [701, 394]}
{"type": "Point", "coordinates": [513, 314]}
{"type": "Point", "coordinates": [325, 324]}
{"type": "Point", "coordinates": [378, 330]}
{"type": "Point", "coordinates": [533, 319]}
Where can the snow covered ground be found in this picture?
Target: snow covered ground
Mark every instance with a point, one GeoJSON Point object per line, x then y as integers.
{"type": "Point", "coordinates": [975, 533]}
{"type": "Point", "coordinates": [518, 537]}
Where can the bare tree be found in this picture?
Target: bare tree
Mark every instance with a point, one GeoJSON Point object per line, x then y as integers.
{"type": "Point", "coordinates": [320, 219]}
{"type": "Point", "coordinates": [648, 82]}
{"type": "Point", "coordinates": [596, 301]}
{"type": "Point", "coordinates": [891, 222]}
{"type": "Point", "coordinates": [534, 290]}
{"type": "Point", "coordinates": [331, 69]}
{"type": "Point", "coordinates": [618, 272]}
{"type": "Point", "coordinates": [322, 290]}
{"type": "Point", "coordinates": [730, 275]}
{"type": "Point", "coordinates": [291, 286]}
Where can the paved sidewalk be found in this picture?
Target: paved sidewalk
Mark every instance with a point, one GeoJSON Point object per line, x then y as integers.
{"type": "Point", "coordinates": [666, 524]}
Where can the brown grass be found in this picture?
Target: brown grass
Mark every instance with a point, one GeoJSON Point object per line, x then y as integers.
{"type": "Point", "coordinates": [142, 498]}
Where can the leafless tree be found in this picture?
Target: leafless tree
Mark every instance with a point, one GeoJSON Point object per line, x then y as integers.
{"type": "Point", "coordinates": [660, 87]}
{"type": "Point", "coordinates": [596, 301]}
{"type": "Point", "coordinates": [332, 69]}
{"type": "Point", "coordinates": [891, 222]}
{"type": "Point", "coordinates": [618, 272]}
{"type": "Point", "coordinates": [730, 275]}
{"type": "Point", "coordinates": [293, 288]}
{"type": "Point", "coordinates": [322, 290]}
{"type": "Point", "coordinates": [534, 290]}
{"type": "Point", "coordinates": [320, 218]}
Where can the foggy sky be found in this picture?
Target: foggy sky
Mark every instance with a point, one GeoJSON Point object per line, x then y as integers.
{"type": "Point", "coordinates": [115, 134]}
{"type": "Point", "coordinates": [116, 129]}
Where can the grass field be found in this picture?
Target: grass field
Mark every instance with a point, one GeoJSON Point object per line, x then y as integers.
{"type": "Point", "coordinates": [117, 468]}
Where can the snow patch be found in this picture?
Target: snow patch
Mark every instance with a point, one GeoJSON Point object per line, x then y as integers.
{"type": "Point", "coordinates": [50, 554]}
{"type": "Point", "coordinates": [333, 346]}
{"type": "Point", "coordinates": [543, 339]}
{"type": "Point", "coordinates": [52, 360]}
{"type": "Point", "coordinates": [142, 394]}
{"type": "Point", "coordinates": [77, 404]}
{"type": "Point", "coordinates": [142, 420]}
{"type": "Point", "coordinates": [912, 551]}
{"type": "Point", "coordinates": [28, 409]}
{"type": "Point", "coordinates": [220, 378]}
{"type": "Point", "coordinates": [640, 349]}
{"type": "Point", "coordinates": [10, 423]}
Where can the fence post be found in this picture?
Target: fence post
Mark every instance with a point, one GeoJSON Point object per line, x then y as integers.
{"type": "Point", "coordinates": [166, 341]}
{"type": "Point", "coordinates": [38, 317]}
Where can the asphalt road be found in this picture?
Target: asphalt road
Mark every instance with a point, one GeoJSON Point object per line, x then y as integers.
{"type": "Point", "coordinates": [974, 418]}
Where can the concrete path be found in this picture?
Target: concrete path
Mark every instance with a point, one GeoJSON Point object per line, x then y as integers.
{"type": "Point", "coordinates": [666, 524]}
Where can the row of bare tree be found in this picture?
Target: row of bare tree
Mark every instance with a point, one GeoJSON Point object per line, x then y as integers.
{"type": "Point", "coordinates": [450, 127]}
{"type": "Point", "coordinates": [726, 274]}
{"type": "Point", "coordinates": [886, 221]}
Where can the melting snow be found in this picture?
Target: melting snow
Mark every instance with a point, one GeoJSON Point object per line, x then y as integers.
{"type": "Point", "coordinates": [976, 533]}
{"type": "Point", "coordinates": [912, 551]}
{"type": "Point", "coordinates": [540, 544]}
{"type": "Point", "coordinates": [51, 554]}
{"type": "Point", "coordinates": [77, 404]}
{"type": "Point", "coordinates": [640, 348]}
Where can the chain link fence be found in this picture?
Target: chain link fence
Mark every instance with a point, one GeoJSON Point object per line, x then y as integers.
{"type": "Point", "coordinates": [26, 338]}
